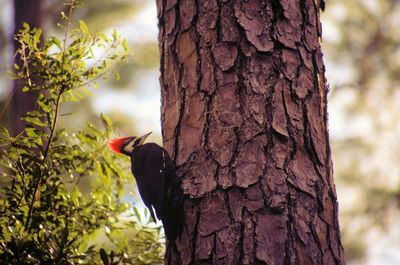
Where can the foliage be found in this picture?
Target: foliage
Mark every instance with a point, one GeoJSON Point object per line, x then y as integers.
{"type": "Point", "coordinates": [45, 218]}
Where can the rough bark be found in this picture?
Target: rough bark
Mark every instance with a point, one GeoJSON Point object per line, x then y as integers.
{"type": "Point", "coordinates": [244, 116]}
{"type": "Point", "coordinates": [31, 13]}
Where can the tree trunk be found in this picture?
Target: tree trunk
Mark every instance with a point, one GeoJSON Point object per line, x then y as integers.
{"type": "Point", "coordinates": [244, 116]}
{"type": "Point", "coordinates": [31, 13]}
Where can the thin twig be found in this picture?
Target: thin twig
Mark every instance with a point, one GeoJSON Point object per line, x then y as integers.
{"type": "Point", "coordinates": [68, 25]}
{"type": "Point", "coordinates": [46, 151]}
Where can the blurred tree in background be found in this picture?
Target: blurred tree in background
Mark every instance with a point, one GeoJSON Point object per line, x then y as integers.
{"type": "Point", "coordinates": [362, 51]}
{"type": "Point", "coordinates": [30, 12]}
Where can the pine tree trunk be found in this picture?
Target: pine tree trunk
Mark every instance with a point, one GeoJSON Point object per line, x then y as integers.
{"type": "Point", "coordinates": [30, 12]}
{"type": "Point", "coordinates": [244, 116]}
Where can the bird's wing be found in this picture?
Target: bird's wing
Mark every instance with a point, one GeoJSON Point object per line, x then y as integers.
{"type": "Point", "coordinates": [147, 167]}
{"type": "Point", "coordinates": [147, 201]}
{"type": "Point", "coordinates": [155, 175]}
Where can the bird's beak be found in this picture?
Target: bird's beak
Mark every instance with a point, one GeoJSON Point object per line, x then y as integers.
{"type": "Point", "coordinates": [115, 144]}
{"type": "Point", "coordinates": [143, 138]}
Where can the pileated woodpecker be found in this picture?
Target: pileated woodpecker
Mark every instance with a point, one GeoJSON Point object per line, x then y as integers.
{"type": "Point", "coordinates": [155, 176]}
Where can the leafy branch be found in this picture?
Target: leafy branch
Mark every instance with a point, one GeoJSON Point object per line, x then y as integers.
{"type": "Point", "coordinates": [44, 217]}
{"type": "Point", "coordinates": [59, 92]}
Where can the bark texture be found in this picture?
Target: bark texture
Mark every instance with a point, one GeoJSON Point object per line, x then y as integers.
{"type": "Point", "coordinates": [244, 116]}
{"type": "Point", "coordinates": [30, 12]}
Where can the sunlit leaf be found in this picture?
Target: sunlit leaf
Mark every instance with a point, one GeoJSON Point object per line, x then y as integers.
{"type": "Point", "coordinates": [83, 27]}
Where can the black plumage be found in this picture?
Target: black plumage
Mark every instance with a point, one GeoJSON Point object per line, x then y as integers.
{"type": "Point", "coordinates": [155, 175]}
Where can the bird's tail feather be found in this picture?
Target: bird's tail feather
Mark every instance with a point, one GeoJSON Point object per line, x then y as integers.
{"type": "Point", "coordinates": [173, 223]}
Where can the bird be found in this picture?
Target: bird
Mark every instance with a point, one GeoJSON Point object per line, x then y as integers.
{"type": "Point", "coordinates": [159, 187]}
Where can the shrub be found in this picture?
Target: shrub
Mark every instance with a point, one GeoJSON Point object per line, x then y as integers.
{"type": "Point", "coordinates": [46, 217]}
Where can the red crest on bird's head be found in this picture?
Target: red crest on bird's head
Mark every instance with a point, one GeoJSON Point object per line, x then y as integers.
{"type": "Point", "coordinates": [116, 144]}
{"type": "Point", "coordinates": [125, 145]}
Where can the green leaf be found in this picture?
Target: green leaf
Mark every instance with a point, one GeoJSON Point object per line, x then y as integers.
{"type": "Point", "coordinates": [34, 120]}
{"type": "Point", "coordinates": [115, 35]}
{"type": "Point", "coordinates": [125, 45]}
{"type": "Point", "coordinates": [25, 27]}
{"type": "Point", "coordinates": [87, 92]}
{"type": "Point", "coordinates": [116, 76]}
{"type": "Point", "coordinates": [31, 132]}
{"type": "Point", "coordinates": [44, 103]}
{"type": "Point", "coordinates": [137, 214]}
{"type": "Point", "coordinates": [36, 36]}
{"type": "Point", "coordinates": [106, 121]}
{"type": "Point", "coordinates": [56, 42]}
{"type": "Point", "coordinates": [5, 138]}
{"type": "Point", "coordinates": [63, 16]}
{"type": "Point", "coordinates": [103, 37]}
{"type": "Point", "coordinates": [4, 133]}
{"type": "Point", "coordinates": [83, 27]}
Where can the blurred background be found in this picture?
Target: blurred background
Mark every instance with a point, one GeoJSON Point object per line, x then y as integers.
{"type": "Point", "coordinates": [361, 43]}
